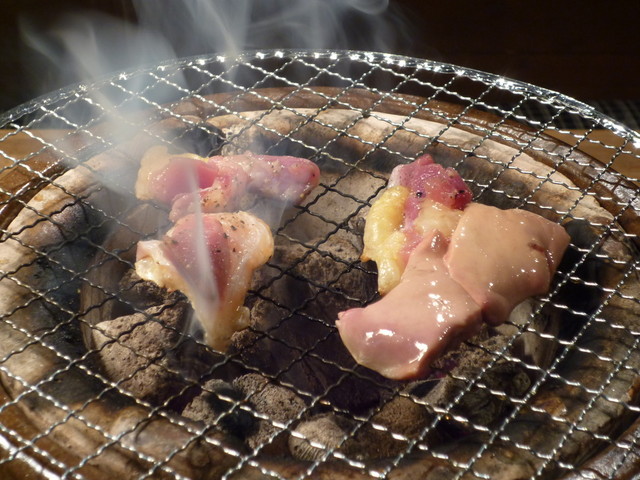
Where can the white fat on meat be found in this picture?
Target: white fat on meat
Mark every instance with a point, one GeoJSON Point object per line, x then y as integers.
{"type": "Point", "coordinates": [425, 313]}
{"type": "Point", "coordinates": [210, 258]}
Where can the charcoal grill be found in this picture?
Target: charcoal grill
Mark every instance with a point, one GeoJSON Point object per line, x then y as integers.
{"type": "Point", "coordinates": [553, 393]}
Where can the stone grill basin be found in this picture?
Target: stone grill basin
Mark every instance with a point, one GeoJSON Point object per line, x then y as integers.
{"type": "Point", "coordinates": [104, 375]}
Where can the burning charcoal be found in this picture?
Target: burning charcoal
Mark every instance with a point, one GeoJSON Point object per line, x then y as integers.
{"type": "Point", "coordinates": [139, 351]}
{"type": "Point", "coordinates": [293, 336]}
{"type": "Point", "coordinates": [386, 434]}
{"type": "Point", "coordinates": [316, 437]}
{"type": "Point", "coordinates": [278, 404]}
{"type": "Point", "coordinates": [389, 431]}
{"type": "Point", "coordinates": [595, 258]}
{"type": "Point", "coordinates": [401, 416]}
{"type": "Point", "coordinates": [534, 332]}
{"type": "Point", "coordinates": [203, 139]}
{"type": "Point", "coordinates": [215, 406]}
{"type": "Point", "coordinates": [143, 294]}
{"type": "Point", "coordinates": [331, 208]}
{"type": "Point", "coordinates": [479, 405]}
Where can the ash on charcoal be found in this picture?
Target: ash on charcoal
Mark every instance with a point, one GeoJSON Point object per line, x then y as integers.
{"type": "Point", "coordinates": [143, 294]}
{"type": "Point", "coordinates": [386, 434]}
{"type": "Point", "coordinates": [274, 402]}
{"type": "Point", "coordinates": [317, 437]}
{"type": "Point", "coordinates": [143, 352]}
{"type": "Point", "coordinates": [480, 404]}
{"type": "Point", "coordinates": [389, 431]}
{"type": "Point", "coordinates": [219, 404]}
{"type": "Point", "coordinates": [598, 258]}
{"type": "Point", "coordinates": [293, 336]}
{"type": "Point", "coordinates": [203, 139]}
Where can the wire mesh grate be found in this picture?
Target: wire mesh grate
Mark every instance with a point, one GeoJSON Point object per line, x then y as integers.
{"type": "Point", "coordinates": [103, 374]}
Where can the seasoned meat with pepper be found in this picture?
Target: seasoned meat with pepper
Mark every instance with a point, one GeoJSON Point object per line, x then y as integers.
{"type": "Point", "coordinates": [211, 259]}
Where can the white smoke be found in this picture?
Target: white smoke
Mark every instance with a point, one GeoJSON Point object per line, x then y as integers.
{"type": "Point", "coordinates": [206, 26]}
{"type": "Point", "coordinates": [86, 45]}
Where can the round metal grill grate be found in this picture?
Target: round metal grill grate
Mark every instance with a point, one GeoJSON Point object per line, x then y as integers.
{"type": "Point", "coordinates": [102, 376]}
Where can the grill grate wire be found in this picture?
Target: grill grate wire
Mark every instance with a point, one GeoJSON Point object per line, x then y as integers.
{"type": "Point", "coordinates": [222, 85]}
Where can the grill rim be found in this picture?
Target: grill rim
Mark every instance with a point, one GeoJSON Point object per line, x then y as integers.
{"type": "Point", "coordinates": [378, 58]}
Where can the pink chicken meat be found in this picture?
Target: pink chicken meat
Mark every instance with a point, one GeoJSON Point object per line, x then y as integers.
{"type": "Point", "coordinates": [419, 318]}
{"type": "Point", "coordinates": [190, 183]}
{"type": "Point", "coordinates": [421, 197]}
{"type": "Point", "coordinates": [214, 247]}
{"type": "Point", "coordinates": [210, 258]}
{"type": "Point", "coordinates": [460, 263]}
{"type": "Point", "coordinates": [502, 257]}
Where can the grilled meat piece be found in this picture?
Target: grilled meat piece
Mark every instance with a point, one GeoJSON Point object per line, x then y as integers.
{"type": "Point", "coordinates": [416, 321]}
{"type": "Point", "coordinates": [210, 254]}
{"type": "Point", "coordinates": [502, 257]}
{"type": "Point", "coordinates": [210, 258]}
{"type": "Point", "coordinates": [421, 197]}
{"type": "Point", "coordinates": [463, 266]}
{"type": "Point", "coordinates": [190, 183]}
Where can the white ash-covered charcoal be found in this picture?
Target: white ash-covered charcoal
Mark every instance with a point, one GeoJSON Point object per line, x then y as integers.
{"type": "Point", "coordinates": [317, 437]}
{"type": "Point", "coordinates": [398, 422]}
{"type": "Point", "coordinates": [219, 404]}
{"type": "Point", "coordinates": [386, 434]}
{"type": "Point", "coordinates": [474, 361]}
{"type": "Point", "coordinates": [274, 403]}
{"type": "Point", "coordinates": [293, 337]}
{"type": "Point", "coordinates": [339, 200]}
{"type": "Point", "coordinates": [144, 352]}
{"type": "Point", "coordinates": [142, 294]}
{"type": "Point", "coordinates": [599, 379]}
{"type": "Point", "coordinates": [305, 132]}
{"type": "Point", "coordinates": [335, 276]}
{"type": "Point", "coordinates": [534, 329]}
{"type": "Point", "coordinates": [200, 138]}
{"type": "Point", "coordinates": [600, 258]}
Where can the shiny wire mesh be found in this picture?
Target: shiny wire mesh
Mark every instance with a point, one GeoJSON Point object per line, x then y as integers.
{"type": "Point", "coordinates": [66, 129]}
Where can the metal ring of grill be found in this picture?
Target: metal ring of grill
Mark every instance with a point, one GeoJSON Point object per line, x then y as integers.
{"type": "Point", "coordinates": [70, 224]}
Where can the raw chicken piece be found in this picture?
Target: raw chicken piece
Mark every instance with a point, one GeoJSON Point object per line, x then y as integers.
{"type": "Point", "coordinates": [427, 179]}
{"type": "Point", "coordinates": [426, 313]}
{"type": "Point", "coordinates": [465, 263]}
{"type": "Point", "coordinates": [502, 257]}
{"type": "Point", "coordinates": [210, 258]}
{"type": "Point", "coordinates": [222, 183]}
{"type": "Point", "coordinates": [220, 187]}
{"type": "Point", "coordinates": [210, 255]}
{"type": "Point", "coordinates": [154, 160]}
{"type": "Point", "coordinates": [421, 196]}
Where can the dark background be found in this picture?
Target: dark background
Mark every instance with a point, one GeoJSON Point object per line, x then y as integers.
{"type": "Point", "coordinates": [586, 49]}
